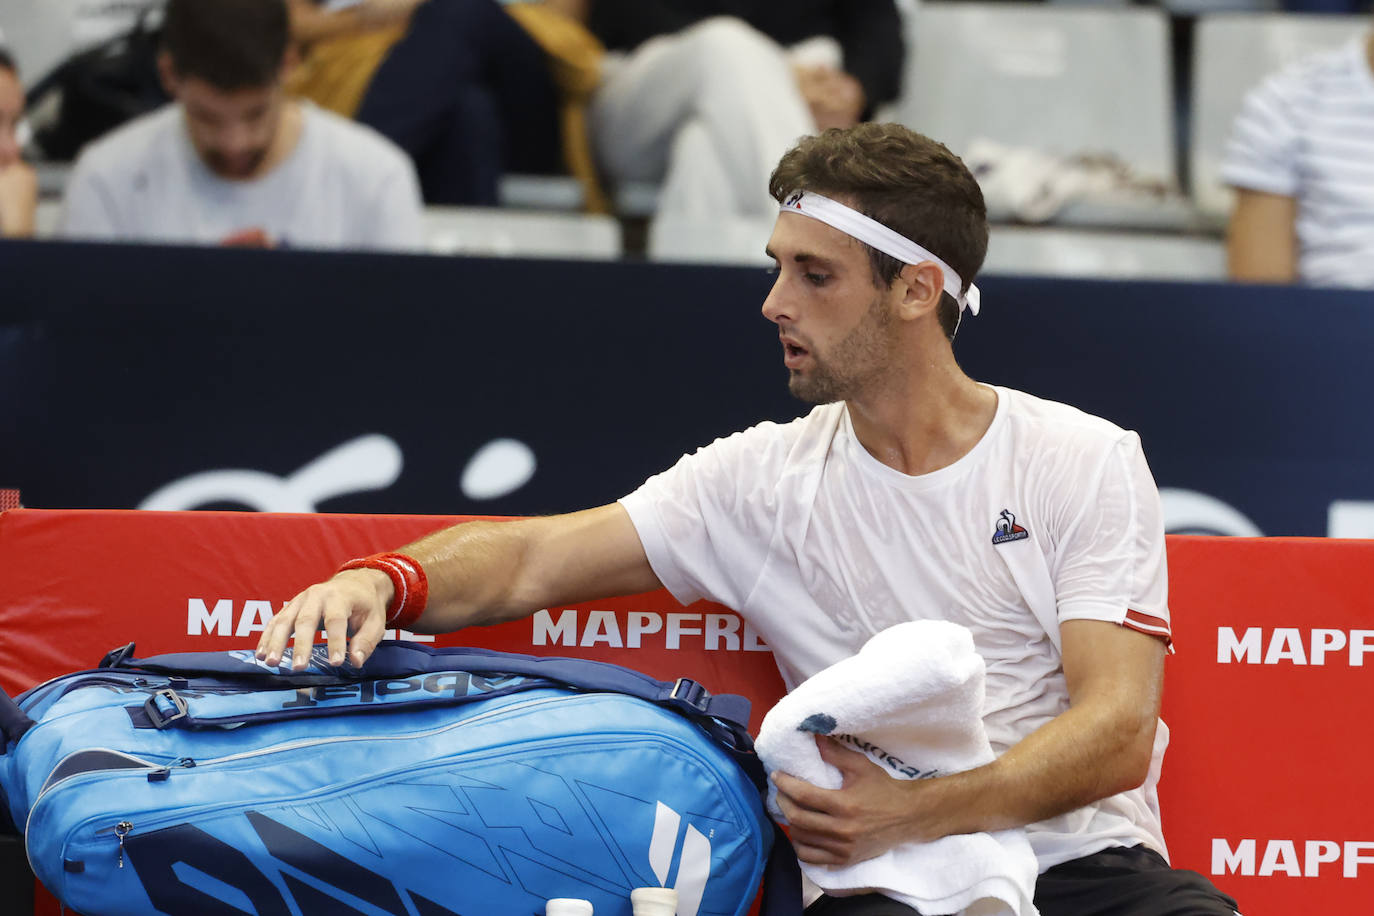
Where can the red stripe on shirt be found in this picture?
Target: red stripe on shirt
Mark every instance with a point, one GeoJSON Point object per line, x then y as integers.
{"type": "Point", "coordinates": [1149, 624]}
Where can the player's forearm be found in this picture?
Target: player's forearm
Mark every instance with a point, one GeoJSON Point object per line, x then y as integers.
{"type": "Point", "coordinates": [490, 572]}
{"type": "Point", "coordinates": [477, 573]}
{"type": "Point", "coordinates": [1085, 754]}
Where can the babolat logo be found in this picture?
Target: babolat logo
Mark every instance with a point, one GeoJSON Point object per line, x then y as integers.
{"type": "Point", "coordinates": [690, 849]}
{"type": "Point", "coordinates": [898, 766]}
{"type": "Point", "coordinates": [1008, 530]}
{"type": "Point", "coordinates": [438, 686]}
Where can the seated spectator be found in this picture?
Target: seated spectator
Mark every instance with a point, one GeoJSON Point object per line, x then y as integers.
{"type": "Point", "coordinates": [18, 182]}
{"type": "Point", "coordinates": [1299, 158]}
{"type": "Point", "coordinates": [233, 160]}
{"type": "Point", "coordinates": [706, 103]}
{"type": "Point", "coordinates": [457, 84]}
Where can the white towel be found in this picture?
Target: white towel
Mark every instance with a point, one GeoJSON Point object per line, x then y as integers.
{"type": "Point", "coordinates": [912, 700]}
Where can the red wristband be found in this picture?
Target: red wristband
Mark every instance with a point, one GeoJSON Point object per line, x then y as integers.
{"type": "Point", "coordinates": [410, 587]}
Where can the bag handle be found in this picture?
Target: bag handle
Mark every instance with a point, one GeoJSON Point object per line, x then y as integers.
{"type": "Point", "coordinates": [400, 659]}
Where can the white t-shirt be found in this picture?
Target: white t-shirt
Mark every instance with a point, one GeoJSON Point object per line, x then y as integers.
{"type": "Point", "coordinates": [343, 186]}
{"type": "Point", "coordinates": [1307, 132]}
{"type": "Point", "coordinates": [819, 545]}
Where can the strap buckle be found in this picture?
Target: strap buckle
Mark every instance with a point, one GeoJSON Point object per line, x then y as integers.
{"type": "Point", "coordinates": [155, 713]}
{"type": "Point", "coordinates": [116, 657]}
{"type": "Point", "coordinates": [687, 692]}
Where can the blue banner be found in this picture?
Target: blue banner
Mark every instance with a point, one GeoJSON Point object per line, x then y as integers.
{"type": "Point", "coordinates": [178, 378]}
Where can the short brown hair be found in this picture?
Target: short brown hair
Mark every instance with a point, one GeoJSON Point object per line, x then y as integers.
{"type": "Point", "coordinates": [230, 44]}
{"type": "Point", "coordinates": [906, 181]}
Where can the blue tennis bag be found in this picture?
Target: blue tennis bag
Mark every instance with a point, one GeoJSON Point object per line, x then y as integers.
{"type": "Point", "coordinates": [429, 782]}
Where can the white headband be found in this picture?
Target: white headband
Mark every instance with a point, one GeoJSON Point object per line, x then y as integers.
{"type": "Point", "coordinates": [853, 223]}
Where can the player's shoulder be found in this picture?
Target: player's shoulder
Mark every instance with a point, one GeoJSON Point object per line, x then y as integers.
{"type": "Point", "coordinates": [1050, 423]}
{"type": "Point", "coordinates": [778, 444]}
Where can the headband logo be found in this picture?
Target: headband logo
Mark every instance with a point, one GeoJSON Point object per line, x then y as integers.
{"type": "Point", "coordinates": [795, 200]}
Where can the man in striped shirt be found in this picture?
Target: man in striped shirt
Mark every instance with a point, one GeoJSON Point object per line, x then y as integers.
{"type": "Point", "coordinates": [1301, 158]}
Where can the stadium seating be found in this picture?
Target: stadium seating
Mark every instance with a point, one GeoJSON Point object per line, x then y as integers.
{"type": "Point", "coordinates": [1064, 77]}
{"type": "Point", "coordinates": [1231, 54]}
{"type": "Point", "coordinates": [1054, 78]}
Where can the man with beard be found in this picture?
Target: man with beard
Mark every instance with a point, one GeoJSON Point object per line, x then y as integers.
{"type": "Point", "coordinates": [904, 495]}
{"type": "Point", "coordinates": [235, 161]}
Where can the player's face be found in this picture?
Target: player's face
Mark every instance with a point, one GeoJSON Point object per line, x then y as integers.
{"type": "Point", "coordinates": [837, 329]}
{"type": "Point", "coordinates": [231, 130]}
{"type": "Point", "coordinates": [11, 110]}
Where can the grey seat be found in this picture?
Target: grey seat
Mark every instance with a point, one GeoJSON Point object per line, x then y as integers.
{"type": "Point", "coordinates": [1232, 53]}
{"type": "Point", "coordinates": [1067, 252]}
{"type": "Point", "coordinates": [491, 231]}
{"type": "Point", "coordinates": [1056, 78]}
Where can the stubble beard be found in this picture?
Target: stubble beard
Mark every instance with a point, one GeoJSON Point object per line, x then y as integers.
{"type": "Point", "coordinates": [864, 355]}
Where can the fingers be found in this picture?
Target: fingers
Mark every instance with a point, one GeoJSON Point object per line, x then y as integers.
{"type": "Point", "coordinates": [366, 639]}
{"type": "Point", "coordinates": [346, 603]}
{"type": "Point", "coordinates": [335, 638]}
{"type": "Point", "coordinates": [803, 803]}
{"type": "Point", "coordinates": [273, 641]}
{"type": "Point", "coordinates": [819, 835]}
{"type": "Point", "coordinates": [842, 758]}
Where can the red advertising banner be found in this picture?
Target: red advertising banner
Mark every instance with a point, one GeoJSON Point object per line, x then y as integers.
{"type": "Point", "coordinates": [1266, 697]}
{"type": "Point", "coordinates": [1265, 786]}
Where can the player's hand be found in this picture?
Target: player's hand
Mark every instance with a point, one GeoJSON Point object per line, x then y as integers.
{"type": "Point", "coordinates": [868, 815]}
{"type": "Point", "coordinates": [352, 604]}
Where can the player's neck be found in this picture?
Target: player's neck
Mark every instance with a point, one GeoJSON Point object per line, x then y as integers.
{"type": "Point", "coordinates": [934, 418]}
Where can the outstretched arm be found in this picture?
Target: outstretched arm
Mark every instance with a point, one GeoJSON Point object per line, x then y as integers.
{"type": "Point", "coordinates": [1099, 746]}
{"type": "Point", "coordinates": [479, 573]}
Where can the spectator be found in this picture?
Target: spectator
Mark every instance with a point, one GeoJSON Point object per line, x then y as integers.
{"type": "Point", "coordinates": [457, 84]}
{"type": "Point", "coordinates": [233, 160]}
{"type": "Point", "coordinates": [1299, 159]}
{"type": "Point", "coordinates": [707, 103]}
{"type": "Point", "coordinates": [18, 182]}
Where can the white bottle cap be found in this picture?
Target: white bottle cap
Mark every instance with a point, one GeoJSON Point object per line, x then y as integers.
{"type": "Point", "coordinates": [654, 901]}
{"type": "Point", "coordinates": [568, 906]}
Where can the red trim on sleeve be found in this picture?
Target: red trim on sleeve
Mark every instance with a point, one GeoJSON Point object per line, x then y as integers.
{"type": "Point", "coordinates": [1149, 624]}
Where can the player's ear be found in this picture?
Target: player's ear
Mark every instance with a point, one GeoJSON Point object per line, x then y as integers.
{"type": "Point", "coordinates": [920, 286]}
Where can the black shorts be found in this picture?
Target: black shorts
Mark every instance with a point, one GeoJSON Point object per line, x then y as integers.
{"type": "Point", "coordinates": [1113, 882]}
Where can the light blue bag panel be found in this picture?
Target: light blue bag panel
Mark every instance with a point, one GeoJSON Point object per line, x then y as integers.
{"type": "Point", "coordinates": [427, 792]}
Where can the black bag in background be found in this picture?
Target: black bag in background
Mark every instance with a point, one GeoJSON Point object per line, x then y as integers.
{"type": "Point", "coordinates": [15, 875]}
{"type": "Point", "coordinates": [99, 89]}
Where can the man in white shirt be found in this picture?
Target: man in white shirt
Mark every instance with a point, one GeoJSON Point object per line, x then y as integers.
{"type": "Point", "coordinates": [1299, 158]}
{"type": "Point", "coordinates": [234, 160]}
{"type": "Point", "coordinates": [910, 492]}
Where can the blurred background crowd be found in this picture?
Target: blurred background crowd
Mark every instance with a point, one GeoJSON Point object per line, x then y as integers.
{"type": "Point", "coordinates": [1180, 139]}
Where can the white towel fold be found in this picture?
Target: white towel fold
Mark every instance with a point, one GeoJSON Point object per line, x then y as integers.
{"type": "Point", "coordinates": [912, 700]}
